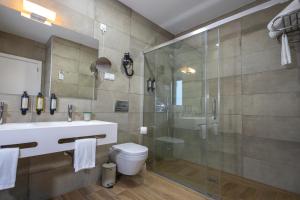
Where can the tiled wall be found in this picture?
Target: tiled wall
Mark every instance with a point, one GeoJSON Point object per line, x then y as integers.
{"type": "Point", "coordinates": [46, 176]}
{"type": "Point", "coordinates": [270, 107]}
{"type": "Point", "coordinates": [259, 103]}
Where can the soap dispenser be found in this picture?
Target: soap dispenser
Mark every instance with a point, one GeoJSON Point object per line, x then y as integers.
{"type": "Point", "coordinates": [53, 103]}
{"type": "Point", "coordinates": [39, 103]}
{"type": "Point", "coordinates": [24, 103]}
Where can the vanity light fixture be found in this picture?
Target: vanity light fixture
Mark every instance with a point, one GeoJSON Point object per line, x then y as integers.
{"type": "Point", "coordinates": [187, 70]}
{"type": "Point", "coordinates": [38, 13]}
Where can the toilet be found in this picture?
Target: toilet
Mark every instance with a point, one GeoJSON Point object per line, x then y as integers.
{"type": "Point", "coordinates": [129, 157]}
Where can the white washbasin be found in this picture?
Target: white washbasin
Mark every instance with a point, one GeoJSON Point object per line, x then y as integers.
{"type": "Point", "coordinates": [35, 125]}
{"type": "Point", "coordinates": [47, 135]}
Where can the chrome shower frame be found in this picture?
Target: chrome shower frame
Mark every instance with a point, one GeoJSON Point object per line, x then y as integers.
{"type": "Point", "coordinates": [221, 22]}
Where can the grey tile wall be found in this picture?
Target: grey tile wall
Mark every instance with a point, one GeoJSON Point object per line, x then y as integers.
{"type": "Point", "coordinates": [270, 107]}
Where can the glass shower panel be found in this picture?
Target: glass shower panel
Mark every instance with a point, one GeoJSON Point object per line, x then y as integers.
{"type": "Point", "coordinates": [184, 115]}
{"type": "Point", "coordinates": [214, 140]}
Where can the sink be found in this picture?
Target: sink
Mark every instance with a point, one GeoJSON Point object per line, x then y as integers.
{"type": "Point", "coordinates": [35, 125]}
{"type": "Point", "coordinates": [47, 135]}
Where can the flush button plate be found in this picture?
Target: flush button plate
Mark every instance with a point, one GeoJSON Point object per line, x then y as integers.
{"type": "Point", "coordinates": [121, 106]}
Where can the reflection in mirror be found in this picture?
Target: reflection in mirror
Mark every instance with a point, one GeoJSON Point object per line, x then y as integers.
{"type": "Point", "coordinates": [49, 59]}
{"type": "Point", "coordinates": [68, 69]}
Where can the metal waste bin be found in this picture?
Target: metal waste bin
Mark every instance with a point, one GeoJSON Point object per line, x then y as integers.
{"type": "Point", "coordinates": [108, 174]}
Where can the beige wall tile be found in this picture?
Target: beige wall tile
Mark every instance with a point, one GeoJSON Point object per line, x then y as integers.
{"type": "Point", "coordinates": [271, 150]}
{"type": "Point", "coordinates": [114, 14]}
{"type": "Point", "coordinates": [285, 80]}
{"type": "Point", "coordinates": [65, 64]}
{"type": "Point", "coordinates": [230, 124]}
{"type": "Point", "coordinates": [265, 172]}
{"type": "Point", "coordinates": [280, 128]}
{"type": "Point", "coordinates": [136, 85]}
{"type": "Point", "coordinates": [284, 104]}
{"type": "Point", "coordinates": [113, 39]}
{"type": "Point", "coordinates": [106, 99]}
{"type": "Point", "coordinates": [231, 105]}
{"type": "Point", "coordinates": [135, 103]}
{"type": "Point", "coordinates": [265, 60]}
{"type": "Point", "coordinates": [15, 45]}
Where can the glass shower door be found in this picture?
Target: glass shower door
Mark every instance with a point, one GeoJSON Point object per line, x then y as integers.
{"type": "Point", "coordinates": [185, 115]}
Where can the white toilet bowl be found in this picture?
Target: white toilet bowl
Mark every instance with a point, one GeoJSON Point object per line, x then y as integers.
{"type": "Point", "coordinates": [129, 157]}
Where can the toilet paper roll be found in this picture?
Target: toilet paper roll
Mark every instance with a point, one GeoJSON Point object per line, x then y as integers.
{"type": "Point", "coordinates": [143, 130]}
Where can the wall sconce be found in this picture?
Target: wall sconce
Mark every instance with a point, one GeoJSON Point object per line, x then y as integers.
{"type": "Point", "coordinates": [38, 13]}
{"type": "Point", "coordinates": [187, 70]}
{"type": "Point", "coordinates": [151, 84]}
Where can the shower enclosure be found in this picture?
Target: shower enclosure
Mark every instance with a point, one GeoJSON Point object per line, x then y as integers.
{"type": "Point", "coordinates": [215, 112]}
{"type": "Point", "coordinates": [185, 111]}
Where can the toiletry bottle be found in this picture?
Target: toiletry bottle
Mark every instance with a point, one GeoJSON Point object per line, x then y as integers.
{"type": "Point", "coordinates": [39, 103]}
{"type": "Point", "coordinates": [149, 84]}
{"type": "Point", "coordinates": [153, 85]}
{"type": "Point", "coordinates": [24, 103]}
{"type": "Point", "coordinates": [53, 103]}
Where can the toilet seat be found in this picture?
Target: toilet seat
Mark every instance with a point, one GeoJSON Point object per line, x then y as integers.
{"type": "Point", "coordinates": [131, 149]}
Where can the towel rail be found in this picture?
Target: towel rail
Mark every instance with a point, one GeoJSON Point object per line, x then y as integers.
{"type": "Point", "coordinates": [290, 26]}
{"type": "Point", "coordinates": [21, 146]}
{"type": "Point", "coordinates": [69, 140]}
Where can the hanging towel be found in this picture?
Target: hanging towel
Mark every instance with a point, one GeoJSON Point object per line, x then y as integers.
{"type": "Point", "coordinates": [85, 154]}
{"type": "Point", "coordinates": [277, 23]}
{"type": "Point", "coordinates": [8, 167]}
{"type": "Point", "coordinates": [285, 51]}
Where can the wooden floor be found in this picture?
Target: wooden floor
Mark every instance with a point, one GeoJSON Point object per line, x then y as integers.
{"type": "Point", "coordinates": [220, 184]}
{"type": "Point", "coordinates": [146, 186]}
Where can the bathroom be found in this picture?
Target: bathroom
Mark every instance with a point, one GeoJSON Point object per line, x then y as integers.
{"type": "Point", "coordinates": [209, 92]}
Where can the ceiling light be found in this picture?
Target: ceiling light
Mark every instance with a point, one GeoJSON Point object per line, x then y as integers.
{"type": "Point", "coordinates": [38, 13]}
{"type": "Point", "coordinates": [187, 70]}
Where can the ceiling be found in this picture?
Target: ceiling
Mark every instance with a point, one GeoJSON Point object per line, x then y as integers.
{"type": "Point", "coordinates": [177, 16]}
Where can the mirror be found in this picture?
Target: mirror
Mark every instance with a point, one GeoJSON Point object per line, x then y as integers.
{"type": "Point", "coordinates": [37, 57]}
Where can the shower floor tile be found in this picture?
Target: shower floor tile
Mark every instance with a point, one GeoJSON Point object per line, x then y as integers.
{"type": "Point", "coordinates": [218, 183]}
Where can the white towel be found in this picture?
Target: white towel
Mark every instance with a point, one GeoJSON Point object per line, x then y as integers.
{"type": "Point", "coordinates": [8, 167]}
{"type": "Point", "coordinates": [85, 154]}
{"type": "Point", "coordinates": [277, 24]}
{"type": "Point", "coordinates": [285, 51]}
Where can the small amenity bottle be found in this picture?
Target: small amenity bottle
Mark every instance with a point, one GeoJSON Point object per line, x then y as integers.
{"type": "Point", "coordinates": [39, 103]}
{"type": "Point", "coordinates": [53, 103]}
{"type": "Point", "coordinates": [24, 103]}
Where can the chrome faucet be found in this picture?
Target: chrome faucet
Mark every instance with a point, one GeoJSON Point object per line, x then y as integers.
{"type": "Point", "coordinates": [1, 112]}
{"type": "Point", "coordinates": [70, 111]}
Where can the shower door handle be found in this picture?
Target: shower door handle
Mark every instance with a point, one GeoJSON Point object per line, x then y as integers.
{"type": "Point", "coordinates": [214, 108]}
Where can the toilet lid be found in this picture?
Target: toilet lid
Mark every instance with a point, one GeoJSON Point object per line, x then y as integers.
{"type": "Point", "coordinates": [131, 149]}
